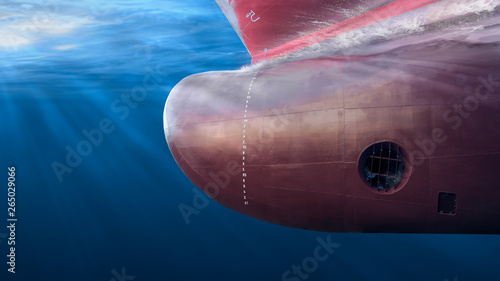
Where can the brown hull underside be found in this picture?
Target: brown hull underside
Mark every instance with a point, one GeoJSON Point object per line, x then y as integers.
{"type": "Point", "coordinates": [302, 127]}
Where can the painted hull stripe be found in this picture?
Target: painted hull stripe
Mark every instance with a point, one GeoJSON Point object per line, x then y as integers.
{"type": "Point", "coordinates": [379, 14]}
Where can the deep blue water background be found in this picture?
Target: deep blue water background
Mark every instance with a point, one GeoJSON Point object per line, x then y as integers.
{"type": "Point", "coordinates": [119, 207]}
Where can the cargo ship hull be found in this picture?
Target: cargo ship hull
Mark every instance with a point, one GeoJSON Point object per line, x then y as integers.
{"type": "Point", "coordinates": [402, 141]}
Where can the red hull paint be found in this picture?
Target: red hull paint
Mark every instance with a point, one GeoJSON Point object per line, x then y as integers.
{"type": "Point", "coordinates": [272, 29]}
{"type": "Point", "coordinates": [277, 22]}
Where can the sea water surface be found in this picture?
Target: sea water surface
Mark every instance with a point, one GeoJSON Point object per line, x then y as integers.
{"type": "Point", "coordinates": [92, 77]}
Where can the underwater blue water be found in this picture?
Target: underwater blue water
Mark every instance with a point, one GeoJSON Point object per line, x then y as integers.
{"type": "Point", "coordinates": [64, 68]}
